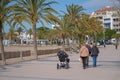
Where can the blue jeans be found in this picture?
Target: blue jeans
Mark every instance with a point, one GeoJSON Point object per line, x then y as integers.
{"type": "Point", "coordinates": [94, 60]}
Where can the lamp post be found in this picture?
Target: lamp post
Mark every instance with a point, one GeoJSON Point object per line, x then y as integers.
{"type": "Point", "coordinates": [104, 37]}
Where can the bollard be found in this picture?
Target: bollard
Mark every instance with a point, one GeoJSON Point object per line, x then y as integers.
{"type": "Point", "coordinates": [21, 56]}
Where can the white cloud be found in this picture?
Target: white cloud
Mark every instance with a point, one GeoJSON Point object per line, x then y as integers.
{"type": "Point", "coordinates": [92, 5]}
{"type": "Point", "coordinates": [98, 3]}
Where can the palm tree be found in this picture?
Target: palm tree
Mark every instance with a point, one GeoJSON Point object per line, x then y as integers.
{"type": "Point", "coordinates": [30, 32]}
{"type": "Point", "coordinates": [74, 15]}
{"type": "Point", "coordinates": [35, 11]}
{"type": "Point", "coordinates": [11, 34]}
{"type": "Point", "coordinates": [42, 32]}
{"type": "Point", "coordinates": [19, 30]}
{"type": "Point", "coordinates": [17, 21]}
{"type": "Point", "coordinates": [62, 31]}
{"type": "Point", "coordinates": [80, 32]}
{"type": "Point", "coordinates": [5, 9]}
{"type": "Point", "coordinates": [93, 26]}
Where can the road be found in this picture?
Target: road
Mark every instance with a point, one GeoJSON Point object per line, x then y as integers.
{"type": "Point", "coordinates": [108, 68]}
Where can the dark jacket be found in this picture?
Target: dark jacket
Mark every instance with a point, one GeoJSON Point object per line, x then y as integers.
{"type": "Point", "coordinates": [62, 53]}
{"type": "Point", "coordinates": [89, 48]}
{"type": "Point", "coordinates": [94, 51]}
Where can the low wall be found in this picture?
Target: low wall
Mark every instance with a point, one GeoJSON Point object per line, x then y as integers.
{"type": "Point", "coordinates": [49, 51]}
{"type": "Point", "coordinates": [16, 54]}
{"type": "Point", "coordinates": [45, 52]}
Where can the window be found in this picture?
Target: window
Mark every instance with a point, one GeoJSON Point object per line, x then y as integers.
{"type": "Point", "coordinates": [115, 19]}
{"type": "Point", "coordinates": [106, 19]}
{"type": "Point", "coordinates": [107, 25]}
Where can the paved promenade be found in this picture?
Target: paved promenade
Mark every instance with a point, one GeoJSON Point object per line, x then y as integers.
{"type": "Point", "coordinates": [45, 68]}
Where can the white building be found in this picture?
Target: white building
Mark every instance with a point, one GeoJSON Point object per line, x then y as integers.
{"type": "Point", "coordinates": [109, 18]}
{"type": "Point", "coordinates": [56, 25]}
{"type": "Point", "coordinates": [25, 38]}
{"type": "Point", "coordinates": [28, 39]}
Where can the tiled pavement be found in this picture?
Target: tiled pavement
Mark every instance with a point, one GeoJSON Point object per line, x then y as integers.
{"type": "Point", "coordinates": [45, 68]}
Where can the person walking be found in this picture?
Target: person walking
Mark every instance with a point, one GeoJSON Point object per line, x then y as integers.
{"type": "Point", "coordinates": [84, 53]}
{"type": "Point", "coordinates": [94, 54]}
{"type": "Point", "coordinates": [116, 45]}
{"type": "Point", "coordinates": [89, 49]}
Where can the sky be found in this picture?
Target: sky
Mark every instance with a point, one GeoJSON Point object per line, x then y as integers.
{"type": "Point", "coordinates": [88, 5]}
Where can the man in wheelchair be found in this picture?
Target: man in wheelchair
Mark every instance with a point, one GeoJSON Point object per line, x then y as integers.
{"type": "Point", "coordinates": [63, 59]}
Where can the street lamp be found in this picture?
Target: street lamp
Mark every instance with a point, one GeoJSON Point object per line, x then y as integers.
{"type": "Point", "coordinates": [104, 37]}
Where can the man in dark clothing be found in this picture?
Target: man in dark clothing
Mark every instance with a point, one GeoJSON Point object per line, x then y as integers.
{"type": "Point", "coordinates": [62, 55]}
{"type": "Point", "coordinates": [94, 54]}
{"type": "Point", "coordinates": [89, 49]}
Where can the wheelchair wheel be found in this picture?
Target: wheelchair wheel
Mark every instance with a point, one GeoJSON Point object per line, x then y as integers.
{"type": "Point", "coordinates": [67, 66]}
{"type": "Point", "coordinates": [58, 67]}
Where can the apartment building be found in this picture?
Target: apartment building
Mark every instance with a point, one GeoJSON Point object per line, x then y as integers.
{"type": "Point", "coordinates": [109, 17]}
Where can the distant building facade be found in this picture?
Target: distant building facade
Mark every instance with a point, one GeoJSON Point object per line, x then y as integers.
{"type": "Point", "coordinates": [108, 16]}
{"type": "Point", "coordinates": [25, 38]}
{"type": "Point", "coordinates": [28, 39]}
{"type": "Point", "coordinates": [55, 25]}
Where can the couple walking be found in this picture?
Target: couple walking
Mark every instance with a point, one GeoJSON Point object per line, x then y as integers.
{"type": "Point", "coordinates": [86, 51]}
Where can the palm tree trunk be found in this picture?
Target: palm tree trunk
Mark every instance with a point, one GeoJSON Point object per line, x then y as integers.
{"type": "Point", "coordinates": [79, 36]}
{"type": "Point", "coordinates": [63, 37]}
{"type": "Point", "coordinates": [1, 45]}
{"type": "Point", "coordinates": [63, 44]}
{"type": "Point", "coordinates": [95, 38]}
{"type": "Point", "coordinates": [35, 41]}
{"type": "Point", "coordinates": [72, 39]}
{"type": "Point", "coordinates": [11, 38]}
